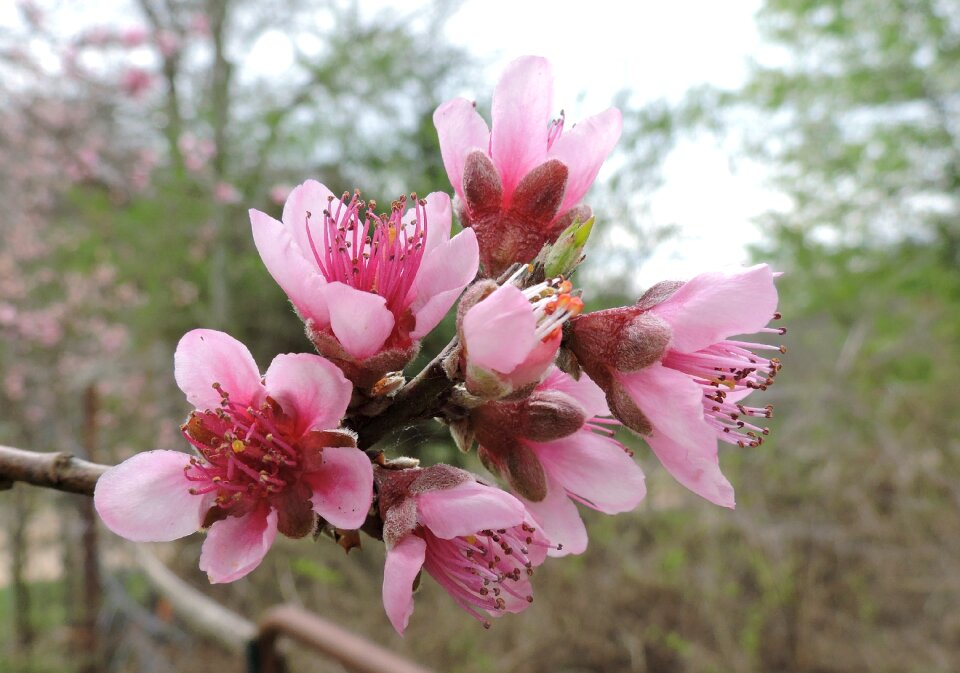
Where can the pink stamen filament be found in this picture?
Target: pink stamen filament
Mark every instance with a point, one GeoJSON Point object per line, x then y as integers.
{"type": "Point", "coordinates": [476, 571]}
{"type": "Point", "coordinates": [372, 252]}
{"type": "Point", "coordinates": [243, 453]}
{"type": "Point", "coordinates": [728, 367]}
{"type": "Point", "coordinates": [556, 129]}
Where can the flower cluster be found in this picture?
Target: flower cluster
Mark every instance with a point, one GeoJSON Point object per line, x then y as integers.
{"type": "Point", "coordinates": [536, 385]}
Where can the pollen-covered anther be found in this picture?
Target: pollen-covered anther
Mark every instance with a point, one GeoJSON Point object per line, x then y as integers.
{"type": "Point", "coordinates": [732, 368]}
{"type": "Point", "coordinates": [554, 302]}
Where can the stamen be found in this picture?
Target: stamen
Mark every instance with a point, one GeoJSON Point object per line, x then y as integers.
{"type": "Point", "coordinates": [372, 252]}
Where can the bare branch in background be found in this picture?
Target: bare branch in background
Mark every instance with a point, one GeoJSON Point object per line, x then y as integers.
{"type": "Point", "coordinates": [56, 470]}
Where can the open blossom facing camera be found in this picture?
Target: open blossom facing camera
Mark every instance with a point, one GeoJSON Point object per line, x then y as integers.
{"type": "Point", "coordinates": [271, 457]}
{"type": "Point", "coordinates": [555, 448]}
{"type": "Point", "coordinates": [671, 371]}
{"type": "Point", "coordinates": [478, 542]}
{"type": "Point", "coordinates": [520, 181]}
{"type": "Point", "coordinates": [369, 286]}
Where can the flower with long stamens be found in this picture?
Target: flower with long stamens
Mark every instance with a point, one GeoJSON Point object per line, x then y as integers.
{"type": "Point", "coordinates": [478, 542]}
{"type": "Point", "coordinates": [520, 181]}
{"type": "Point", "coordinates": [672, 372]}
{"type": "Point", "coordinates": [556, 448]}
{"type": "Point", "coordinates": [270, 456]}
{"type": "Point", "coordinates": [368, 286]}
{"type": "Point", "coordinates": [510, 336]}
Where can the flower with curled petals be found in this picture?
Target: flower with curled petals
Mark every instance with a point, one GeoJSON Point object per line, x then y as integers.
{"type": "Point", "coordinates": [270, 457]}
{"type": "Point", "coordinates": [520, 181]}
{"type": "Point", "coordinates": [555, 448]}
{"type": "Point", "coordinates": [476, 541]}
{"type": "Point", "coordinates": [672, 372]}
{"type": "Point", "coordinates": [368, 286]}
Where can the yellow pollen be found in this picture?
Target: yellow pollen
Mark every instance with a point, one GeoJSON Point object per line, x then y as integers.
{"type": "Point", "coordinates": [472, 539]}
{"type": "Point", "coordinates": [238, 446]}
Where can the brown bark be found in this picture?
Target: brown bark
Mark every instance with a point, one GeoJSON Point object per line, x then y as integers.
{"type": "Point", "coordinates": [56, 470]}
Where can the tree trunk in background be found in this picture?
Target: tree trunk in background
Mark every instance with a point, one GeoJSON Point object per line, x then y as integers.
{"type": "Point", "coordinates": [23, 634]}
{"type": "Point", "coordinates": [88, 640]}
{"type": "Point", "coordinates": [218, 282]}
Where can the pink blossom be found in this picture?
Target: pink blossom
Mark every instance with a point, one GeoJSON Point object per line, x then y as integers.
{"type": "Point", "coordinates": [196, 152]}
{"type": "Point", "coordinates": [200, 24]}
{"type": "Point", "coordinates": [476, 541]}
{"type": "Point", "coordinates": [271, 458]}
{"type": "Point", "coordinates": [280, 193]}
{"type": "Point", "coordinates": [135, 82]}
{"type": "Point", "coordinates": [494, 366]}
{"type": "Point", "coordinates": [671, 372]}
{"type": "Point", "coordinates": [520, 181]}
{"type": "Point", "coordinates": [368, 286]}
{"type": "Point", "coordinates": [167, 42]}
{"type": "Point", "coordinates": [225, 192]}
{"type": "Point", "coordinates": [555, 448]}
{"type": "Point", "coordinates": [8, 314]}
{"type": "Point", "coordinates": [134, 36]}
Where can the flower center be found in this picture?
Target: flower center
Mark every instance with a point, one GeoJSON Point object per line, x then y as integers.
{"type": "Point", "coordinates": [244, 456]}
{"type": "Point", "coordinates": [371, 252]}
{"type": "Point", "coordinates": [728, 371]}
{"type": "Point", "coordinates": [489, 570]}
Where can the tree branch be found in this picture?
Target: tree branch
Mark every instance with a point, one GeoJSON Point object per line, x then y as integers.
{"type": "Point", "coordinates": [56, 470]}
{"type": "Point", "coordinates": [419, 399]}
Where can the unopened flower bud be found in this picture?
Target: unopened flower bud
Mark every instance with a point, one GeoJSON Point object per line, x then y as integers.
{"type": "Point", "coordinates": [564, 256]}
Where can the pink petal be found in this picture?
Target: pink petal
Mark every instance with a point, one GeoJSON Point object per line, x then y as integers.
{"type": "Point", "coordinates": [439, 218]}
{"type": "Point", "coordinates": [559, 521]}
{"type": "Point", "coordinates": [670, 400]}
{"type": "Point", "coordinates": [584, 149]}
{"type": "Point", "coordinates": [681, 438]}
{"type": "Point", "coordinates": [717, 305]}
{"type": "Point", "coordinates": [594, 469]}
{"type": "Point", "coordinates": [205, 357]}
{"type": "Point", "coordinates": [696, 467]}
{"type": "Point", "coordinates": [532, 369]}
{"type": "Point", "coordinates": [146, 498]}
{"type": "Point", "coordinates": [443, 275]}
{"type": "Point", "coordinates": [461, 130]}
{"type": "Point", "coordinates": [360, 320]}
{"type": "Point", "coordinates": [467, 508]}
{"type": "Point", "coordinates": [309, 388]}
{"type": "Point", "coordinates": [404, 561]}
{"type": "Point", "coordinates": [297, 275]}
{"type": "Point", "coordinates": [342, 487]}
{"type": "Point", "coordinates": [590, 396]}
{"type": "Point", "coordinates": [522, 105]}
{"type": "Point", "coordinates": [313, 198]}
{"type": "Point", "coordinates": [235, 546]}
{"type": "Point", "coordinates": [486, 326]}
